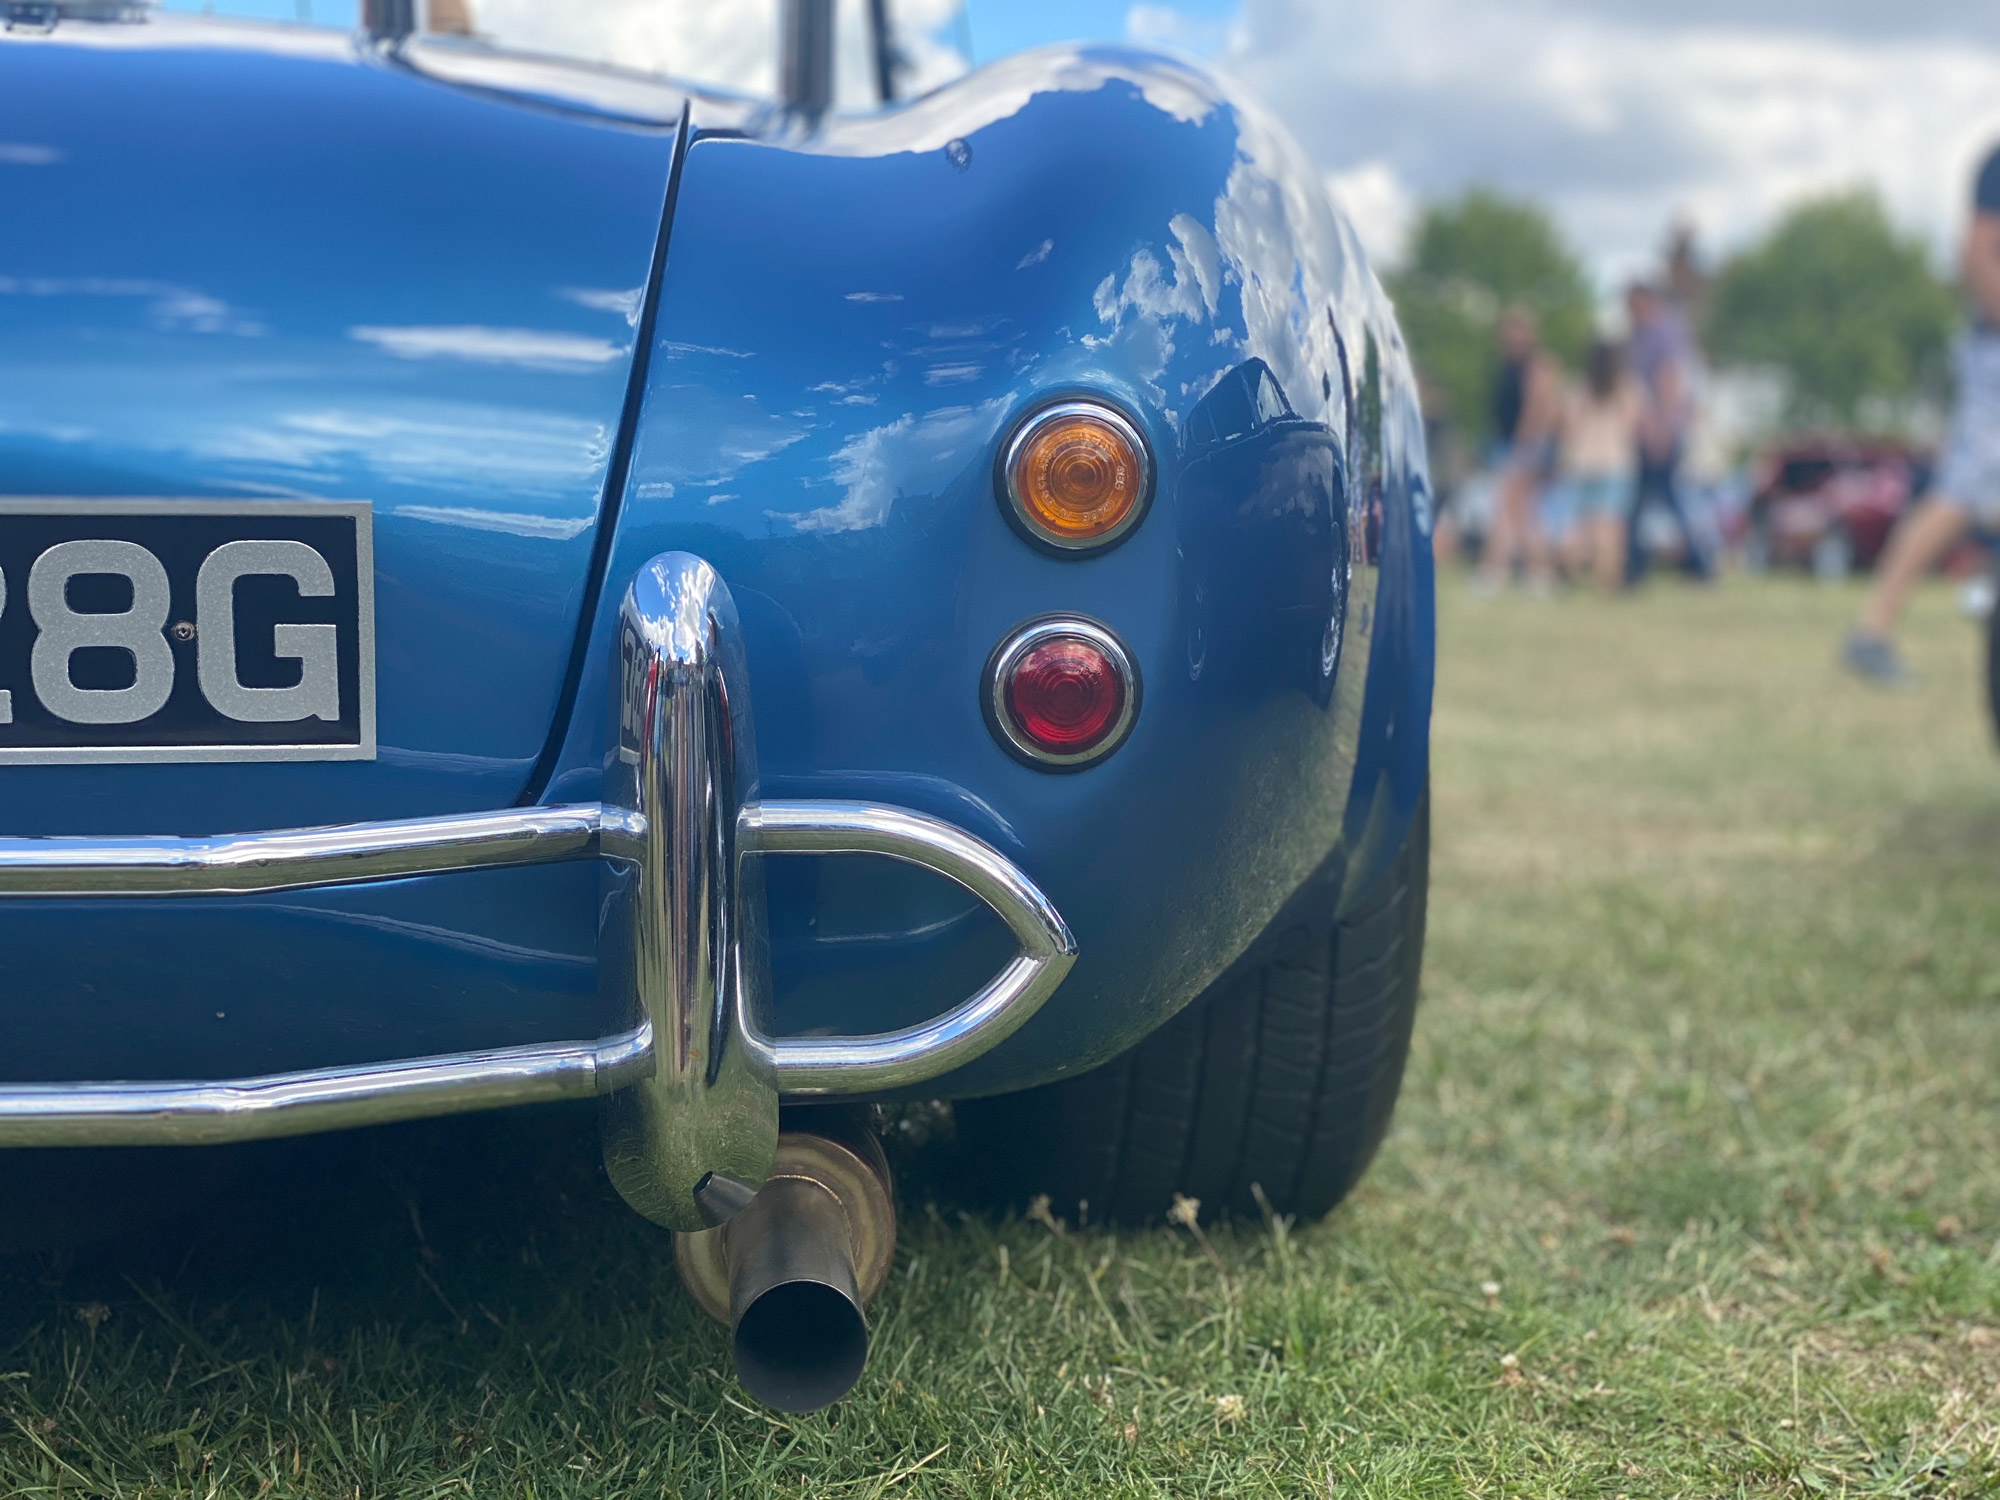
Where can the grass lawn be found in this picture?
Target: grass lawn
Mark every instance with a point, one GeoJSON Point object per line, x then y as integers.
{"type": "Point", "coordinates": [1694, 1189]}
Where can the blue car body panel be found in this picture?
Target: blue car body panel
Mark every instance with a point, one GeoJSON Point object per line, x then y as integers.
{"type": "Point", "coordinates": [848, 323]}
{"type": "Point", "coordinates": [232, 269]}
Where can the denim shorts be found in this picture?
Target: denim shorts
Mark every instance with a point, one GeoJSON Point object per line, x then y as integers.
{"type": "Point", "coordinates": [1968, 471]}
{"type": "Point", "coordinates": [1534, 456]}
{"type": "Point", "coordinates": [1602, 494]}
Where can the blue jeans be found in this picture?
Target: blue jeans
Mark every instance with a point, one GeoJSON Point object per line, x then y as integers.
{"type": "Point", "coordinates": [1659, 480]}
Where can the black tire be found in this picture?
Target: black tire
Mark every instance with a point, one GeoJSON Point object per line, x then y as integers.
{"type": "Point", "coordinates": [1281, 1076]}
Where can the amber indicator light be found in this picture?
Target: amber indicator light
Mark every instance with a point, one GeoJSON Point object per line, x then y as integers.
{"type": "Point", "coordinates": [1077, 475]}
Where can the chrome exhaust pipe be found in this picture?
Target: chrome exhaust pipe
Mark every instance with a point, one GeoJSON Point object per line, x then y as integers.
{"type": "Point", "coordinates": [792, 1272]}
{"type": "Point", "coordinates": [798, 1337]}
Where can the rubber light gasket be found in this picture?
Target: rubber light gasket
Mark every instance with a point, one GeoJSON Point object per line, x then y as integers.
{"type": "Point", "coordinates": [1009, 654]}
{"type": "Point", "coordinates": [1022, 515]}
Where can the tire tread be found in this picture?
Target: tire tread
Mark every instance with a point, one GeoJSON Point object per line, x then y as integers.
{"type": "Point", "coordinates": [1283, 1075]}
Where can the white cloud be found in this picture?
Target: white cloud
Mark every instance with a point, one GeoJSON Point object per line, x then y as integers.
{"type": "Point", "coordinates": [729, 43]}
{"type": "Point", "coordinates": [733, 43]}
{"type": "Point", "coordinates": [1623, 116]}
{"type": "Point", "coordinates": [1378, 204]}
{"type": "Point", "coordinates": [1165, 26]}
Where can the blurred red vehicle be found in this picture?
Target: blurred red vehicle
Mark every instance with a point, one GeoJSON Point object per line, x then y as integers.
{"type": "Point", "coordinates": [1829, 503]}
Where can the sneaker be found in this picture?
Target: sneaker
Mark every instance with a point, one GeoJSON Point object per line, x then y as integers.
{"type": "Point", "coordinates": [1873, 659]}
{"type": "Point", "coordinates": [1977, 598]}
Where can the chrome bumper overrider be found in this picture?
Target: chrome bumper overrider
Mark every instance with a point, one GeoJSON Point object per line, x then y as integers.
{"type": "Point", "coordinates": [691, 1090]}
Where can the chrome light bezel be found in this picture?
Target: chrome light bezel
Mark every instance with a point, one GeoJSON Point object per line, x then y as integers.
{"type": "Point", "coordinates": [1007, 656]}
{"type": "Point", "coordinates": [1025, 432]}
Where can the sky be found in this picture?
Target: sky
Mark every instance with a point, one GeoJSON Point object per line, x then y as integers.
{"type": "Point", "coordinates": [999, 27]}
{"type": "Point", "coordinates": [1619, 115]}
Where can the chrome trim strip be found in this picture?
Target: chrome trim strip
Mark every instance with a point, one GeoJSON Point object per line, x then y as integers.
{"type": "Point", "coordinates": [281, 1104]}
{"type": "Point", "coordinates": [302, 858]}
{"type": "Point", "coordinates": [896, 1059]}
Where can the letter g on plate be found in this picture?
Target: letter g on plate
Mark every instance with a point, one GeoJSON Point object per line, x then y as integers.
{"type": "Point", "coordinates": [314, 647]}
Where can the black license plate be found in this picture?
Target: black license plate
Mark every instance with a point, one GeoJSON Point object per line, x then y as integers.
{"type": "Point", "coordinates": [186, 630]}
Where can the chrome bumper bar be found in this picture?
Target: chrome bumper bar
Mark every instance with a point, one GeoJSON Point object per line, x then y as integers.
{"type": "Point", "coordinates": [691, 1090]}
{"type": "Point", "coordinates": [279, 1104]}
{"type": "Point", "coordinates": [302, 858]}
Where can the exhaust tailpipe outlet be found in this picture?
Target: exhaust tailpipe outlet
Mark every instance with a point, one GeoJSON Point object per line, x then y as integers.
{"type": "Point", "coordinates": [792, 1272]}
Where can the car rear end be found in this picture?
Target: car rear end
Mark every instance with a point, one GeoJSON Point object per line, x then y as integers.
{"type": "Point", "coordinates": [527, 584]}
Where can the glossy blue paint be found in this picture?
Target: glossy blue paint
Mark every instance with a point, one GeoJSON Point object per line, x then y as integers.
{"type": "Point", "coordinates": [246, 260]}
{"type": "Point", "coordinates": [1392, 756]}
{"type": "Point", "coordinates": [848, 325]}
{"type": "Point", "coordinates": [848, 328]}
{"type": "Point", "coordinates": [233, 986]}
{"type": "Point", "coordinates": [241, 260]}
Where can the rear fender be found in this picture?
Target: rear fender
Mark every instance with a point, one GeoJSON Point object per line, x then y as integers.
{"type": "Point", "coordinates": [848, 329]}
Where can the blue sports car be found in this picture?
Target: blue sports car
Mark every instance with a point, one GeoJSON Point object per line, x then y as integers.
{"type": "Point", "coordinates": [525, 579]}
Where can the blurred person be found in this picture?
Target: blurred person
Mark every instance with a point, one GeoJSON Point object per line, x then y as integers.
{"type": "Point", "coordinates": [1527, 407]}
{"type": "Point", "coordinates": [1557, 516]}
{"type": "Point", "coordinates": [1600, 446]}
{"type": "Point", "coordinates": [1967, 484]}
{"type": "Point", "coordinates": [1661, 354]}
{"type": "Point", "coordinates": [1687, 283]}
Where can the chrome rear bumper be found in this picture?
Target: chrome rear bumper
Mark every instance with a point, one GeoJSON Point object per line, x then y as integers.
{"type": "Point", "coordinates": [278, 1104]}
{"type": "Point", "coordinates": [691, 1090]}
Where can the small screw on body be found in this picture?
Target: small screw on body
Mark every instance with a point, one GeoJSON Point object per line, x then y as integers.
{"type": "Point", "coordinates": [183, 630]}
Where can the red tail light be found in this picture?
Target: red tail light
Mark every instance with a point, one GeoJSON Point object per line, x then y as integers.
{"type": "Point", "coordinates": [1062, 693]}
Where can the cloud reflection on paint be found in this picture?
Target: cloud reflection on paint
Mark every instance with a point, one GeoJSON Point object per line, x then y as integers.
{"type": "Point", "coordinates": [523, 348]}
{"type": "Point", "coordinates": [513, 523]}
{"type": "Point", "coordinates": [1145, 306]}
{"type": "Point", "coordinates": [475, 449]}
{"type": "Point", "coordinates": [911, 455]}
{"type": "Point", "coordinates": [169, 307]}
{"type": "Point", "coordinates": [623, 301]}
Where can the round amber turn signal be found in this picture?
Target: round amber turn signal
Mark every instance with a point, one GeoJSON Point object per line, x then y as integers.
{"type": "Point", "coordinates": [1078, 475]}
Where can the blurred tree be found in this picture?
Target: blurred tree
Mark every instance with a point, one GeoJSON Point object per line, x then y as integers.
{"type": "Point", "coordinates": [1470, 259]}
{"type": "Point", "coordinates": [1849, 311]}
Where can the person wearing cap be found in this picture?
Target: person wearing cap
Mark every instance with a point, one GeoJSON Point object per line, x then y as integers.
{"type": "Point", "coordinates": [1967, 485]}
